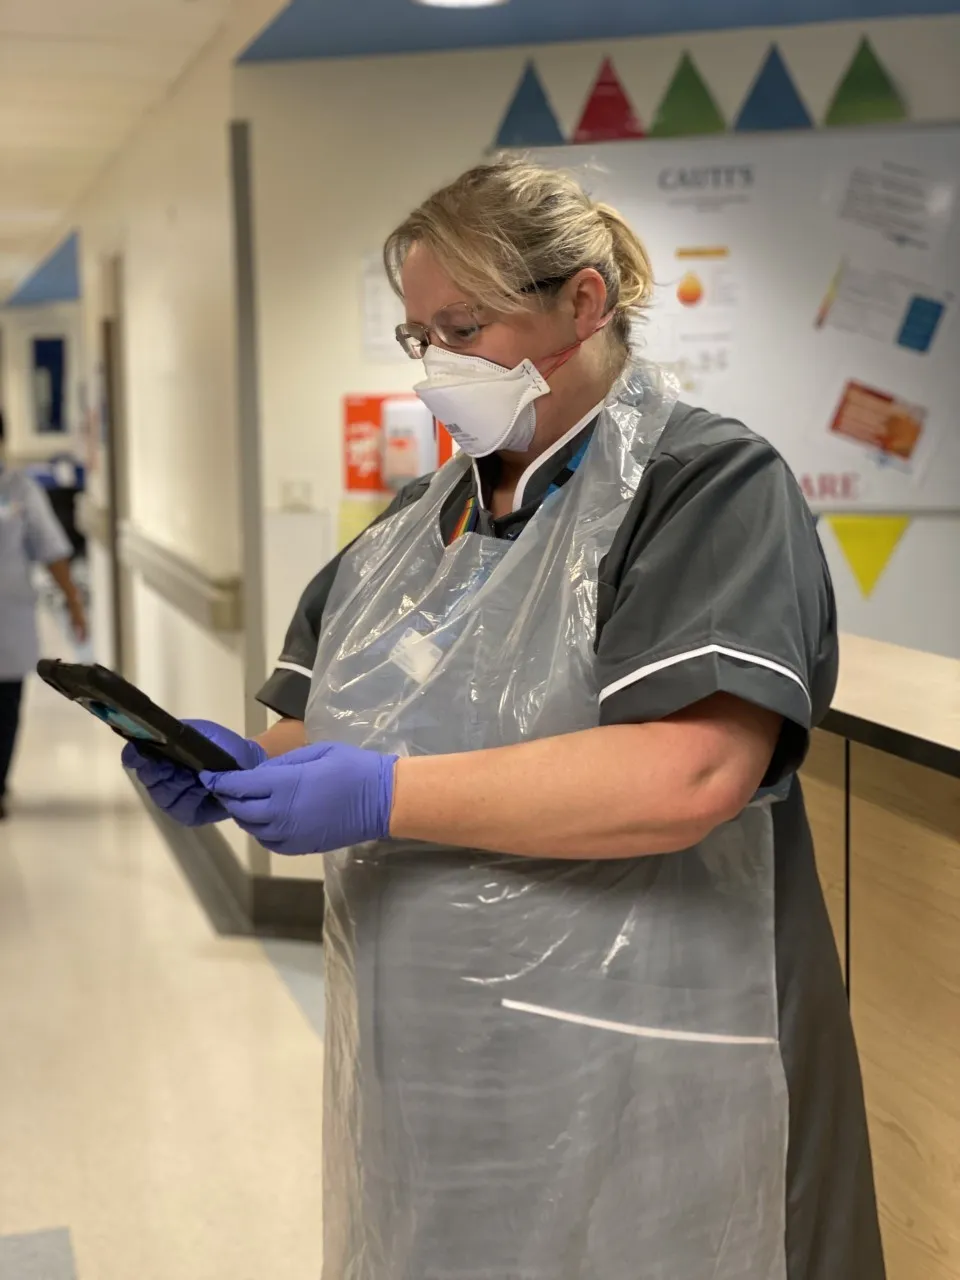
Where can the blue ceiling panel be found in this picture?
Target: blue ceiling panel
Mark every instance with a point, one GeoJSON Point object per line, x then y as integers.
{"type": "Point", "coordinates": [56, 279]}
{"type": "Point", "coordinates": [335, 29]}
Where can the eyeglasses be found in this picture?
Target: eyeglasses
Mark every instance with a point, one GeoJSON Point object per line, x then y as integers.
{"type": "Point", "coordinates": [457, 326]}
{"type": "Point", "coordinates": [460, 324]}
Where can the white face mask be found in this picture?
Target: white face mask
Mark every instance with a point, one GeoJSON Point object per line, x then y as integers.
{"type": "Point", "coordinates": [484, 406]}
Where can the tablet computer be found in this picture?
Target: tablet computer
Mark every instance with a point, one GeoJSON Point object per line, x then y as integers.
{"type": "Point", "coordinates": [133, 716]}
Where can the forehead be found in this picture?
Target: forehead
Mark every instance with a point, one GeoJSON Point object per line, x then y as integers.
{"type": "Point", "coordinates": [426, 286]}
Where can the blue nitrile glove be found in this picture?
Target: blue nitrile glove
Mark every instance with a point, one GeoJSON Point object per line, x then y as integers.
{"type": "Point", "coordinates": [179, 792]}
{"type": "Point", "coordinates": [313, 800]}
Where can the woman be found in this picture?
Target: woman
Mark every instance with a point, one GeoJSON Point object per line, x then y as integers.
{"type": "Point", "coordinates": [29, 534]}
{"type": "Point", "coordinates": [585, 1014]}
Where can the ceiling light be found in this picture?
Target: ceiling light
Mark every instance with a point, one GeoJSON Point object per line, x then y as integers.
{"type": "Point", "coordinates": [460, 4]}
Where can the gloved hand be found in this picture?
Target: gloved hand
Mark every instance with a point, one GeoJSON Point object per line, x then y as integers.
{"type": "Point", "coordinates": [313, 800]}
{"type": "Point", "coordinates": [179, 792]}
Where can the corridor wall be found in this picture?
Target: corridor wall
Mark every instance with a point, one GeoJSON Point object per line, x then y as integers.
{"type": "Point", "coordinates": [163, 210]}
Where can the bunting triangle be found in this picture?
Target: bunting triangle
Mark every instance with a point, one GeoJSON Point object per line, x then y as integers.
{"type": "Point", "coordinates": [773, 101]}
{"type": "Point", "coordinates": [866, 94]}
{"type": "Point", "coordinates": [608, 113]}
{"type": "Point", "coordinates": [687, 107]}
{"type": "Point", "coordinates": [867, 543]}
{"type": "Point", "coordinates": [529, 121]}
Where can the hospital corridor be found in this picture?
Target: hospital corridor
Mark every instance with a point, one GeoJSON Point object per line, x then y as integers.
{"type": "Point", "coordinates": [479, 640]}
{"type": "Point", "coordinates": [160, 1084]}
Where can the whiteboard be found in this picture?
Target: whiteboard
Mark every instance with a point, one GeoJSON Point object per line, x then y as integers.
{"type": "Point", "coordinates": [808, 284]}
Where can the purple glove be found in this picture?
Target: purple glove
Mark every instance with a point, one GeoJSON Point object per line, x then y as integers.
{"type": "Point", "coordinates": [318, 798]}
{"type": "Point", "coordinates": [179, 792]}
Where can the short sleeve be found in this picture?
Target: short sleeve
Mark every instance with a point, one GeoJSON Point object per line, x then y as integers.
{"type": "Point", "coordinates": [719, 586]}
{"type": "Point", "coordinates": [288, 686]}
{"type": "Point", "coordinates": [46, 539]}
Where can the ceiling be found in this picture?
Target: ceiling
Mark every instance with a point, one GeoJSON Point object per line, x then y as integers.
{"type": "Point", "coordinates": [75, 78]}
{"type": "Point", "coordinates": [77, 75]}
{"type": "Point", "coordinates": [335, 28]}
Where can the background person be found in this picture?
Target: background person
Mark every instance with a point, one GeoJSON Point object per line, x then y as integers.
{"type": "Point", "coordinates": [30, 534]}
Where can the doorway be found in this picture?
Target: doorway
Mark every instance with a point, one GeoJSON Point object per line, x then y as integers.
{"type": "Point", "coordinates": [113, 446]}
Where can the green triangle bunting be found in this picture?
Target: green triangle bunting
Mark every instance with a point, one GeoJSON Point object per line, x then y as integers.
{"type": "Point", "coordinates": [866, 94]}
{"type": "Point", "coordinates": [687, 107]}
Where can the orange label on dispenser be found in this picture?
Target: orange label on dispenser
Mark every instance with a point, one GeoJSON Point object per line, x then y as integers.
{"type": "Point", "coordinates": [363, 444]}
{"type": "Point", "coordinates": [365, 451]}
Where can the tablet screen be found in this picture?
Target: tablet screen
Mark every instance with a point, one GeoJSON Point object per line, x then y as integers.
{"type": "Point", "coordinates": [124, 724]}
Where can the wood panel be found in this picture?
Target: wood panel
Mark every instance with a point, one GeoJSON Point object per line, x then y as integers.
{"type": "Point", "coordinates": [902, 689]}
{"type": "Point", "coordinates": [905, 996]}
{"type": "Point", "coordinates": [823, 780]}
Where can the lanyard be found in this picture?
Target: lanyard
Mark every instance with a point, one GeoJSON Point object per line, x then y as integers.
{"type": "Point", "coordinates": [470, 518]}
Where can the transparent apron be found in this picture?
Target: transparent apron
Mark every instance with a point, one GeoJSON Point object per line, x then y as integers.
{"type": "Point", "coordinates": [535, 1069]}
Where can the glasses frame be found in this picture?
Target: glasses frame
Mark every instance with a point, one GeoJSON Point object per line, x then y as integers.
{"type": "Point", "coordinates": [415, 338]}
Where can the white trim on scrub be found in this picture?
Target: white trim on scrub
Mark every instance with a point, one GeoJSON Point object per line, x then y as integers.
{"type": "Point", "coordinates": [738, 654]}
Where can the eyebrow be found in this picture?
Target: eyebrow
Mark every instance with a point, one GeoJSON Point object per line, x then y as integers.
{"type": "Point", "coordinates": [425, 324]}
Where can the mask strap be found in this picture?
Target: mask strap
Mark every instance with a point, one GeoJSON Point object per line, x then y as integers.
{"type": "Point", "coordinates": [561, 357]}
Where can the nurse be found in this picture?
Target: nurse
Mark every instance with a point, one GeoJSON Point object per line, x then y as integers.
{"type": "Point", "coordinates": [29, 534]}
{"type": "Point", "coordinates": [586, 1018]}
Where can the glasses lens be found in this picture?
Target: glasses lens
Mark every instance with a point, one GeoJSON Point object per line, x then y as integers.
{"type": "Point", "coordinates": [413, 339]}
{"type": "Point", "coordinates": [457, 326]}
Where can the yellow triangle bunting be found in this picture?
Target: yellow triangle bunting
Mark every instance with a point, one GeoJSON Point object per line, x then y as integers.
{"type": "Point", "coordinates": [868, 542]}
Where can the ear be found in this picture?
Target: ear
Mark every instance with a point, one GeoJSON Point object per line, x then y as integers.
{"type": "Point", "coordinates": [588, 296]}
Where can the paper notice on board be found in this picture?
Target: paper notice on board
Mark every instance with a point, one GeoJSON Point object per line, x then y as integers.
{"type": "Point", "coordinates": [381, 312]}
{"type": "Point", "coordinates": [889, 428]}
{"type": "Point", "coordinates": [692, 327]}
{"type": "Point", "coordinates": [706, 278]}
{"type": "Point", "coordinates": [900, 203]}
{"type": "Point", "coordinates": [882, 305]}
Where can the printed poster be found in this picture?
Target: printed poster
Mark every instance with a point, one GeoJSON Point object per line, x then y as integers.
{"type": "Point", "coordinates": [889, 428]}
{"type": "Point", "coordinates": [880, 304]}
{"type": "Point", "coordinates": [380, 312]}
{"type": "Point", "coordinates": [694, 325]}
{"type": "Point", "coordinates": [903, 205]}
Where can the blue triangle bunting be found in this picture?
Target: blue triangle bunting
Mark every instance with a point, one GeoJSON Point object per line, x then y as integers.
{"type": "Point", "coordinates": [773, 102]}
{"type": "Point", "coordinates": [530, 121]}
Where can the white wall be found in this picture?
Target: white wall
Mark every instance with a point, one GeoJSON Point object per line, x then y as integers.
{"type": "Point", "coordinates": [163, 206]}
{"type": "Point", "coordinates": [343, 148]}
{"type": "Point", "coordinates": [19, 326]}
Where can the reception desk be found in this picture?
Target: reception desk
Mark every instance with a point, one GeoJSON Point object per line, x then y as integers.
{"type": "Point", "coordinates": [882, 783]}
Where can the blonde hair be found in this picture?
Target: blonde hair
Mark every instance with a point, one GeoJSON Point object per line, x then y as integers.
{"type": "Point", "coordinates": [510, 231]}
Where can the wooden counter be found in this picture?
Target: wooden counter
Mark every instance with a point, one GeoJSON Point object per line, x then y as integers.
{"type": "Point", "coordinates": [900, 701]}
{"type": "Point", "coordinates": [882, 783]}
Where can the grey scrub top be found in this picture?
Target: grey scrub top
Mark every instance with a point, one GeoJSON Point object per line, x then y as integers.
{"type": "Point", "coordinates": [30, 534]}
{"type": "Point", "coordinates": [716, 581]}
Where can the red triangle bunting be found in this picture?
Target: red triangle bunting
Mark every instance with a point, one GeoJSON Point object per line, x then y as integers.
{"type": "Point", "coordinates": [608, 113]}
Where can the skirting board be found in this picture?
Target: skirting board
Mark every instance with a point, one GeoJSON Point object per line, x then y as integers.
{"type": "Point", "coordinates": [236, 902]}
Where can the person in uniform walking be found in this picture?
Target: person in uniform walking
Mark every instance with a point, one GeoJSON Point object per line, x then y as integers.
{"type": "Point", "coordinates": [30, 534]}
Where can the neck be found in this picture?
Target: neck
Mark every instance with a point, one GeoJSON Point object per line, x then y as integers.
{"type": "Point", "coordinates": [557, 414]}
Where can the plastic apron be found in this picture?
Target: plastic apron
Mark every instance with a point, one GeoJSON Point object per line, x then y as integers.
{"type": "Point", "coordinates": [535, 1069]}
